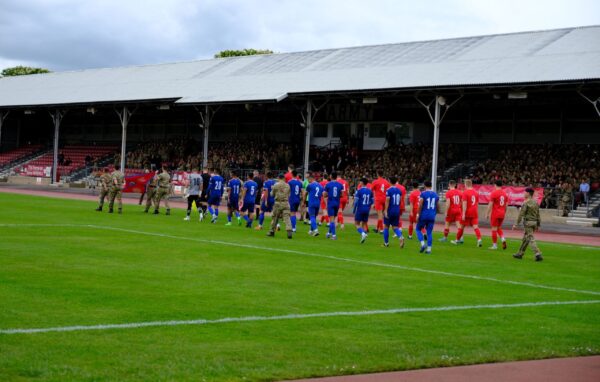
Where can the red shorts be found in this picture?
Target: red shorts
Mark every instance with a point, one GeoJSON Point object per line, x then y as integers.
{"type": "Point", "coordinates": [469, 221]}
{"type": "Point", "coordinates": [379, 205]}
{"type": "Point", "coordinates": [453, 216]}
{"type": "Point", "coordinates": [496, 221]}
{"type": "Point", "coordinates": [412, 219]}
{"type": "Point", "coordinates": [343, 204]}
{"type": "Point", "coordinates": [323, 207]}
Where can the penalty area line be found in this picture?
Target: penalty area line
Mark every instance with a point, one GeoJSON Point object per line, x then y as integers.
{"type": "Point", "coordinates": [136, 325]}
{"type": "Point", "coordinates": [318, 255]}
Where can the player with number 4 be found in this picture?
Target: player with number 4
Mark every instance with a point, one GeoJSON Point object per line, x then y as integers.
{"type": "Point", "coordinates": [497, 210]}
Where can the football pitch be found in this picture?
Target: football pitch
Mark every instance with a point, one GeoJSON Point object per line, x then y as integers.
{"type": "Point", "coordinates": [90, 296]}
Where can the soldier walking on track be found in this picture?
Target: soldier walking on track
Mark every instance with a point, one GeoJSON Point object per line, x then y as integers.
{"type": "Point", "coordinates": [281, 208]}
{"type": "Point", "coordinates": [105, 179]}
{"type": "Point", "coordinates": [530, 215]}
{"type": "Point", "coordinates": [163, 191]}
{"type": "Point", "coordinates": [117, 182]}
{"type": "Point", "coordinates": [151, 191]}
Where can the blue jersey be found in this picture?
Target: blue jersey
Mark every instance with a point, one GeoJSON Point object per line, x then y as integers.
{"type": "Point", "coordinates": [334, 192]}
{"type": "Point", "coordinates": [314, 191]}
{"type": "Point", "coordinates": [215, 186]}
{"type": "Point", "coordinates": [295, 191]}
{"type": "Point", "coordinates": [251, 189]}
{"type": "Point", "coordinates": [395, 196]}
{"type": "Point", "coordinates": [267, 186]}
{"type": "Point", "coordinates": [363, 200]}
{"type": "Point", "coordinates": [235, 186]}
{"type": "Point", "coordinates": [429, 199]}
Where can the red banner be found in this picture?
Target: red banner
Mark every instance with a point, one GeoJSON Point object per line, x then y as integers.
{"type": "Point", "coordinates": [516, 195]}
{"type": "Point", "coordinates": [137, 183]}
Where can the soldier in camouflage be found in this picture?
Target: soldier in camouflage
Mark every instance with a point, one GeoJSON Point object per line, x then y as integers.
{"type": "Point", "coordinates": [163, 191]}
{"type": "Point", "coordinates": [281, 209]}
{"type": "Point", "coordinates": [117, 182]}
{"type": "Point", "coordinates": [530, 216]}
{"type": "Point", "coordinates": [151, 191]}
{"type": "Point", "coordinates": [105, 180]}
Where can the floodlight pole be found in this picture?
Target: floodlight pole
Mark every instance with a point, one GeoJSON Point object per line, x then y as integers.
{"type": "Point", "coordinates": [57, 117]}
{"type": "Point", "coordinates": [124, 117]}
{"type": "Point", "coordinates": [595, 103]}
{"type": "Point", "coordinates": [206, 117]}
{"type": "Point", "coordinates": [436, 119]}
{"type": "Point", "coordinates": [3, 115]}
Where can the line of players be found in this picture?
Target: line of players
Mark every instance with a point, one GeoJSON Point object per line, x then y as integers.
{"type": "Point", "coordinates": [330, 196]}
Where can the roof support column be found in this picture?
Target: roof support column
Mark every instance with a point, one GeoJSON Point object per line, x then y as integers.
{"type": "Point", "coordinates": [206, 117]}
{"type": "Point", "coordinates": [124, 117]}
{"type": "Point", "coordinates": [308, 122]}
{"type": "Point", "coordinates": [595, 103]}
{"type": "Point", "coordinates": [3, 115]}
{"type": "Point", "coordinates": [308, 114]}
{"type": "Point", "coordinates": [436, 118]}
{"type": "Point", "coordinates": [57, 117]}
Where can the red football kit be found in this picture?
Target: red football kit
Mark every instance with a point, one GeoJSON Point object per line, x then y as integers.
{"type": "Point", "coordinates": [413, 198]}
{"type": "Point", "coordinates": [380, 187]}
{"type": "Point", "coordinates": [471, 213]}
{"type": "Point", "coordinates": [499, 200]}
{"type": "Point", "coordinates": [454, 213]}
{"type": "Point", "coordinates": [343, 199]}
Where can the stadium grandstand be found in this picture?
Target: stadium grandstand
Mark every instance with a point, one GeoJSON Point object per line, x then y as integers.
{"type": "Point", "coordinates": [521, 107]}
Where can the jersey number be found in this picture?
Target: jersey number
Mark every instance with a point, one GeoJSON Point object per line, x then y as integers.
{"type": "Point", "coordinates": [365, 200]}
{"type": "Point", "coordinates": [502, 200]}
{"type": "Point", "coordinates": [473, 200]}
{"type": "Point", "coordinates": [430, 203]}
{"type": "Point", "coordinates": [456, 199]}
{"type": "Point", "coordinates": [396, 199]}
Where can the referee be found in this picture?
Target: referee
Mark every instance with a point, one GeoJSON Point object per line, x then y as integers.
{"type": "Point", "coordinates": [203, 195]}
{"type": "Point", "coordinates": [259, 182]}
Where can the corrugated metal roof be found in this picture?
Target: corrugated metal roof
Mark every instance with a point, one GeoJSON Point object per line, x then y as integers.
{"type": "Point", "coordinates": [571, 54]}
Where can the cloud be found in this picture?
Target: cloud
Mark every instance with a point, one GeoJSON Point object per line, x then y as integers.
{"type": "Point", "coordinates": [69, 34]}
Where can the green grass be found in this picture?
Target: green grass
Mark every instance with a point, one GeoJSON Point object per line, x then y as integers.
{"type": "Point", "coordinates": [63, 276]}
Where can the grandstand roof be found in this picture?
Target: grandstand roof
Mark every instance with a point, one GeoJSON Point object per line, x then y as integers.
{"type": "Point", "coordinates": [561, 55]}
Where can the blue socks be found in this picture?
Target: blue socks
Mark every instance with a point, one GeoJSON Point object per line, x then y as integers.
{"type": "Point", "coordinates": [332, 228]}
{"type": "Point", "coordinates": [398, 232]}
{"type": "Point", "coordinates": [210, 209]}
{"type": "Point", "coordinates": [313, 223]}
{"type": "Point", "coordinates": [360, 230]}
{"type": "Point", "coordinates": [386, 235]}
{"type": "Point", "coordinates": [429, 237]}
{"type": "Point", "coordinates": [293, 219]}
{"type": "Point", "coordinates": [261, 218]}
{"type": "Point", "coordinates": [420, 235]}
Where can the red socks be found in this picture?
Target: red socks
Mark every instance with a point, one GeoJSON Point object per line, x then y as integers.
{"type": "Point", "coordinates": [494, 237]}
{"type": "Point", "coordinates": [478, 233]}
{"type": "Point", "coordinates": [446, 232]}
{"type": "Point", "coordinates": [340, 218]}
{"type": "Point", "coordinates": [500, 232]}
{"type": "Point", "coordinates": [460, 233]}
{"type": "Point", "coordinates": [380, 224]}
{"type": "Point", "coordinates": [410, 230]}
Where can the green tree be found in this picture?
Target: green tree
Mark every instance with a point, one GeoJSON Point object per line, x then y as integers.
{"type": "Point", "coordinates": [22, 71]}
{"type": "Point", "coordinates": [242, 52]}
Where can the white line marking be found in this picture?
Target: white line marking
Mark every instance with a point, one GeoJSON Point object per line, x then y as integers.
{"type": "Point", "coordinates": [344, 259]}
{"type": "Point", "coordinates": [133, 325]}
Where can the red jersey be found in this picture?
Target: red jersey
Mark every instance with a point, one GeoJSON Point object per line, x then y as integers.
{"type": "Point", "coordinates": [413, 198]}
{"type": "Point", "coordinates": [499, 200]}
{"type": "Point", "coordinates": [288, 176]}
{"type": "Point", "coordinates": [472, 198]}
{"type": "Point", "coordinates": [402, 197]}
{"type": "Point", "coordinates": [455, 198]}
{"type": "Point", "coordinates": [379, 188]}
{"type": "Point", "coordinates": [345, 188]}
{"type": "Point", "coordinates": [369, 186]}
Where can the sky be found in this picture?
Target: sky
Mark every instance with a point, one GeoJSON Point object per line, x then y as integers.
{"type": "Point", "coordinates": [79, 34]}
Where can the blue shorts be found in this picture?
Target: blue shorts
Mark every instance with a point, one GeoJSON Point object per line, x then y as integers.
{"type": "Point", "coordinates": [332, 209]}
{"type": "Point", "coordinates": [265, 208]}
{"type": "Point", "coordinates": [248, 206]}
{"type": "Point", "coordinates": [294, 206]}
{"type": "Point", "coordinates": [313, 211]}
{"type": "Point", "coordinates": [392, 220]}
{"type": "Point", "coordinates": [214, 200]}
{"type": "Point", "coordinates": [361, 216]}
{"type": "Point", "coordinates": [234, 204]}
{"type": "Point", "coordinates": [425, 223]}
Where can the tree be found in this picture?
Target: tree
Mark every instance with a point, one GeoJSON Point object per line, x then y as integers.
{"type": "Point", "coordinates": [243, 52]}
{"type": "Point", "coordinates": [22, 71]}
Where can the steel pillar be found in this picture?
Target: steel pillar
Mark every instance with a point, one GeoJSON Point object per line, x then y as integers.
{"type": "Point", "coordinates": [308, 130]}
{"type": "Point", "coordinates": [57, 117]}
{"type": "Point", "coordinates": [124, 116]}
{"type": "Point", "coordinates": [436, 143]}
{"type": "Point", "coordinates": [3, 115]}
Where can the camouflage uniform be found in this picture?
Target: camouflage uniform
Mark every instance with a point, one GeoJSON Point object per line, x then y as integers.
{"type": "Point", "coordinates": [151, 192]}
{"type": "Point", "coordinates": [163, 191]}
{"type": "Point", "coordinates": [530, 215]}
{"type": "Point", "coordinates": [565, 200]}
{"type": "Point", "coordinates": [105, 181]}
{"type": "Point", "coordinates": [281, 208]}
{"type": "Point", "coordinates": [116, 188]}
